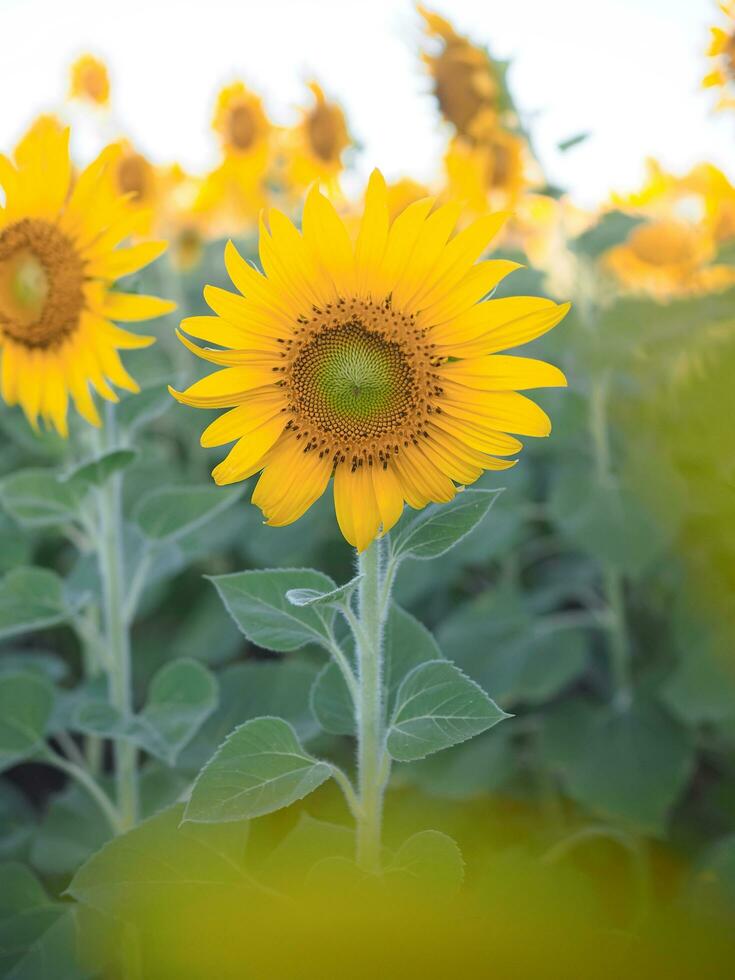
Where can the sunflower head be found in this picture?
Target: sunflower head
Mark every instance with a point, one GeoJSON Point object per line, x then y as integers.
{"type": "Point", "coordinates": [58, 261]}
{"type": "Point", "coordinates": [667, 259]}
{"type": "Point", "coordinates": [240, 121]}
{"type": "Point", "coordinates": [315, 147]}
{"type": "Point", "coordinates": [403, 192]}
{"type": "Point", "coordinates": [466, 83]}
{"type": "Point", "coordinates": [487, 174]}
{"type": "Point", "coordinates": [721, 52]}
{"type": "Point", "coordinates": [89, 80]}
{"type": "Point", "coordinates": [370, 361]}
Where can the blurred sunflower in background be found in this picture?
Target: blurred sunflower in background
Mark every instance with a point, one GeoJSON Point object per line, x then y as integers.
{"type": "Point", "coordinates": [467, 85]}
{"type": "Point", "coordinates": [488, 174]}
{"type": "Point", "coordinates": [233, 194]}
{"type": "Point", "coordinates": [58, 261]}
{"type": "Point", "coordinates": [314, 148]}
{"type": "Point", "coordinates": [89, 81]}
{"type": "Point", "coordinates": [373, 362]}
{"type": "Point", "coordinates": [134, 179]}
{"type": "Point", "coordinates": [721, 51]}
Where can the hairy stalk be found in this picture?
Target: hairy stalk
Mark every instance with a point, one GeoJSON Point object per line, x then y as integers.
{"type": "Point", "coordinates": [85, 779]}
{"type": "Point", "coordinates": [110, 556]}
{"type": "Point", "coordinates": [371, 761]}
{"type": "Point", "coordinates": [612, 580]}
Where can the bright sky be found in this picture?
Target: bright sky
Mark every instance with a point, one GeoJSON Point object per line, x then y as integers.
{"type": "Point", "coordinates": [627, 71]}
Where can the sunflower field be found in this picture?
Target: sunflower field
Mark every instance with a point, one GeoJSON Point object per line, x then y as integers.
{"type": "Point", "coordinates": [367, 543]}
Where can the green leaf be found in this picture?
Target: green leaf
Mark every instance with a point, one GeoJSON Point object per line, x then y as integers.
{"type": "Point", "coordinates": [57, 953]}
{"type": "Point", "coordinates": [261, 767]}
{"type": "Point", "coordinates": [181, 696]}
{"type": "Point", "coordinates": [34, 662]}
{"type": "Point", "coordinates": [438, 706]}
{"type": "Point", "coordinates": [627, 765]}
{"type": "Point", "coordinates": [161, 862]}
{"type": "Point", "coordinates": [26, 912]}
{"type": "Point", "coordinates": [572, 141]}
{"type": "Point", "coordinates": [26, 703]}
{"type": "Point", "coordinates": [406, 644]}
{"type": "Point", "coordinates": [35, 498]}
{"type": "Point", "coordinates": [430, 858]}
{"type": "Point", "coordinates": [96, 471]}
{"type": "Point", "coordinates": [312, 597]}
{"type": "Point", "coordinates": [32, 599]}
{"type": "Point", "coordinates": [612, 229]}
{"type": "Point", "coordinates": [257, 602]}
{"type": "Point", "coordinates": [436, 529]}
{"type": "Point", "coordinates": [169, 513]}
{"type": "Point", "coordinates": [249, 690]}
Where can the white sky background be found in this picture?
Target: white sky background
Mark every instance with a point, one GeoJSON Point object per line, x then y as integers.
{"type": "Point", "coordinates": [628, 71]}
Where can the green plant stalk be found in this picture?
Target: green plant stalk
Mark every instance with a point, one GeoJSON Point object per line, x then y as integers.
{"type": "Point", "coordinates": [371, 758]}
{"type": "Point", "coordinates": [110, 553]}
{"type": "Point", "coordinates": [612, 580]}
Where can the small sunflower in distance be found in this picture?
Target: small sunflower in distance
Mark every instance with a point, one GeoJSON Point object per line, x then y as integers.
{"type": "Point", "coordinates": [371, 362]}
{"type": "Point", "coordinates": [89, 80]}
{"type": "Point", "coordinates": [466, 83]}
{"type": "Point", "coordinates": [722, 52]}
{"type": "Point", "coordinates": [315, 147]}
{"type": "Point", "coordinates": [58, 261]}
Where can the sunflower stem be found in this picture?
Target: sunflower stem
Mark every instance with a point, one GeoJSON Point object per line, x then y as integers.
{"type": "Point", "coordinates": [373, 771]}
{"type": "Point", "coordinates": [110, 556]}
{"type": "Point", "coordinates": [612, 580]}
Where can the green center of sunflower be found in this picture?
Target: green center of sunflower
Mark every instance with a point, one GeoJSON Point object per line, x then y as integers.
{"type": "Point", "coordinates": [41, 278]}
{"type": "Point", "coordinates": [353, 383]}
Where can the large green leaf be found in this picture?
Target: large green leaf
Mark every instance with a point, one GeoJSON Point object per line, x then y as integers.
{"type": "Point", "coordinates": [437, 528]}
{"type": "Point", "coordinates": [261, 767]}
{"type": "Point", "coordinates": [629, 765]}
{"type": "Point", "coordinates": [35, 498]}
{"type": "Point", "coordinates": [169, 513]}
{"type": "Point", "coordinates": [26, 703]}
{"type": "Point", "coordinates": [257, 602]}
{"type": "Point", "coordinates": [437, 706]}
{"type": "Point", "coordinates": [32, 599]}
{"type": "Point", "coordinates": [72, 828]}
{"type": "Point", "coordinates": [17, 821]}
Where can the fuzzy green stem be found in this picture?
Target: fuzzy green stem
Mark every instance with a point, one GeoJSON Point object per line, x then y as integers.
{"type": "Point", "coordinates": [612, 580]}
{"type": "Point", "coordinates": [110, 554]}
{"type": "Point", "coordinates": [85, 779]}
{"type": "Point", "coordinates": [371, 763]}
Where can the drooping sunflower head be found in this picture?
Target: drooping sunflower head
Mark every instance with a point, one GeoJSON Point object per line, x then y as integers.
{"type": "Point", "coordinates": [372, 362]}
{"type": "Point", "coordinates": [89, 80]}
{"type": "Point", "coordinates": [58, 261]}
{"type": "Point", "coordinates": [466, 83]}
{"type": "Point", "coordinates": [721, 51]}
{"type": "Point", "coordinates": [241, 122]}
{"type": "Point", "coordinates": [668, 259]}
{"type": "Point", "coordinates": [314, 149]}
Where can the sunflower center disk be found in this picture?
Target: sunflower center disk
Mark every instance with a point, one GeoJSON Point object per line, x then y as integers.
{"type": "Point", "coordinates": [353, 383]}
{"type": "Point", "coordinates": [41, 278]}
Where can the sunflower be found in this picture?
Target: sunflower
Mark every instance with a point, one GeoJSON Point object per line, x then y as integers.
{"type": "Point", "coordinates": [371, 362]}
{"type": "Point", "coordinates": [466, 82]}
{"type": "Point", "coordinates": [668, 259]}
{"type": "Point", "coordinates": [314, 148]}
{"type": "Point", "coordinates": [403, 192]}
{"type": "Point", "coordinates": [722, 52]}
{"type": "Point", "coordinates": [242, 124]}
{"type": "Point", "coordinates": [133, 179]}
{"type": "Point", "coordinates": [89, 80]}
{"type": "Point", "coordinates": [58, 260]}
{"type": "Point", "coordinates": [487, 175]}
